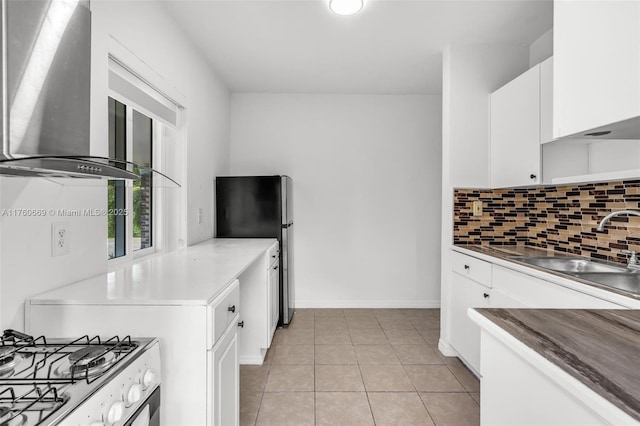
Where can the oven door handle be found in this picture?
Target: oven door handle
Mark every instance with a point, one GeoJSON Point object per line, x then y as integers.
{"type": "Point", "coordinates": [143, 418]}
{"type": "Point", "coordinates": [148, 414]}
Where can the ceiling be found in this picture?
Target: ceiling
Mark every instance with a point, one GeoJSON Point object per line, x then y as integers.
{"type": "Point", "coordinates": [391, 46]}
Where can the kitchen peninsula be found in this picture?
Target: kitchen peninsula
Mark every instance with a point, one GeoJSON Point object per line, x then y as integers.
{"type": "Point", "coordinates": [561, 366]}
{"type": "Point", "coordinates": [193, 300]}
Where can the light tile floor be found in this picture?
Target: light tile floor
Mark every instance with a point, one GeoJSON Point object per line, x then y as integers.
{"type": "Point", "coordinates": [359, 367]}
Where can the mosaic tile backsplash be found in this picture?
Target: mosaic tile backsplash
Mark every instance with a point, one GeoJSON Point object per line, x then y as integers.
{"type": "Point", "coordinates": [558, 218]}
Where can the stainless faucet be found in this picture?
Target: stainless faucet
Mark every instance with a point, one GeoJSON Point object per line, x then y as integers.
{"type": "Point", "coordinates": [614, 214]}
{"type": "Point", "coordinates": [634, 263]}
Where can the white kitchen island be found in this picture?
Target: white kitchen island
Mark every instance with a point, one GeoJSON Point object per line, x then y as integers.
{"type": "Point", "coordinates": [192, 301]}
{"type": "Point", "coordinates": [559, 367]}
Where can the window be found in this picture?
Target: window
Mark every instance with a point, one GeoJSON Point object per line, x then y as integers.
{"type": "Point", "coordinates": [145, 127]}
{"type": "Point", "coordinates": [130, 205]}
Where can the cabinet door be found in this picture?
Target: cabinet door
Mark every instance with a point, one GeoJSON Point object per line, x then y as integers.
{"type": "Point", "coordinates": [596, 68]}
{"type": "Point", "coordinates": [274, 300]}
{"type": "Point", "coordinates": [515, 132]}
{"type": "Point", "coordinates": [464, 333]}
{"type": "Point", "coordinates": [546, 101]}
{"type": "Point", "coordinates": [502, 300]}
{"type": "Point", "coordinates": [224, 391]}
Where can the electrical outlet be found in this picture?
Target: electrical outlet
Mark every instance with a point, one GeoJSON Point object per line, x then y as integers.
{"type": "Point", "coordinates": [60, 239]}
{"type": "Point", "coordinates": [200, 215]}
{"type": "Point", "coordinates": [477, 208]}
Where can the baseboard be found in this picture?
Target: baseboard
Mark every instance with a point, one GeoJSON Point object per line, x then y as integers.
{"type": "Point", "coordinates": [369, 304]}
{"type": "Point", "coordinates": [250, 360]}
{"type": "Point", "coordinates": [446, 349]}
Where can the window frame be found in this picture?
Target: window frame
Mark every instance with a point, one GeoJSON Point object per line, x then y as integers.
{"type": "Point", "coordinates": [130, 253]}
{"type": "Point", "coordinates": [170, 209]}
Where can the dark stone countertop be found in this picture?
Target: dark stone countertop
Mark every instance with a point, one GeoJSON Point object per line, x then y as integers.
{"type": "Point", "coordinates": [507, 251]}
{"type": "Point", "coordinates": [600, 348]}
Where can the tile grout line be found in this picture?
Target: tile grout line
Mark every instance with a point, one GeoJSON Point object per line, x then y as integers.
{"type": "Point", "coordinates": [393, 322]}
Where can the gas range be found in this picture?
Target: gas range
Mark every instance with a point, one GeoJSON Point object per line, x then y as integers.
{"type": "Point", "coordinates": [80, 381]}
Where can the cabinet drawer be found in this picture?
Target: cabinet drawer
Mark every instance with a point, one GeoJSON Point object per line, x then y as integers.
{"type": "Point", "coordinates": [536, 293]}
{"type": "Point", "coordinates": [470, 267]}
{"type": "Point", "coordinates": [273, 254]}
{"type": "Point", "coordinates": [221, 312]}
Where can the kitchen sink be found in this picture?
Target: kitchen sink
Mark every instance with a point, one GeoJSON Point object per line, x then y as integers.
{"type": "Point", "coordinates": [571, 264]}
{"type": "Point", "coordinates": [604, 273]}
{"type": "Point", "coordinates": [627, 281]}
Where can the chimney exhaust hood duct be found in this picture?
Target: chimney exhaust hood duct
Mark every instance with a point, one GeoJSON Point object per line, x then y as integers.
{"type": "Point", "coordinates": [46, 87]}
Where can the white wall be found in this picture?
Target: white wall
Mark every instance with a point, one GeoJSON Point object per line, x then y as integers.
{"type": "Point", "coordinates": [470, 74]}
{"type": "Point", "coordinates": [147, 30]}
{"type": "Point", "coordinates": [26, 265]}
{"type": "Point", "coordinates": [541, 49]}
{"type": "Point", "coordinates": [366, 174]}
{"type": "Point", "coordinates": [474, 71]}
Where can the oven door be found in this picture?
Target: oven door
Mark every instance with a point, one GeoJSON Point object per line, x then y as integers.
{"type": "Point", "coordinates": [149, 412]}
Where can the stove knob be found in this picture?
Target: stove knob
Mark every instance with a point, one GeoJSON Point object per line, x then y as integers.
{"type": "Point", "coordinates": [134, 394]}
{"type": "Point", "coordinates": [116, 412]}
{"type": "Point", "coordinates": [150, 378]}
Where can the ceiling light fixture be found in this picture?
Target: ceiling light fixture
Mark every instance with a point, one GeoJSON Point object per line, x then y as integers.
{"type": "Point", "coordinates": [346, 7]}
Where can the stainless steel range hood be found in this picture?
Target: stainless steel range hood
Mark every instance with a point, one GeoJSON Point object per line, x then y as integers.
{"type": "Point", "coordinates": [61, 167]}
{"type": "Point", "coordinates": [46, 73]}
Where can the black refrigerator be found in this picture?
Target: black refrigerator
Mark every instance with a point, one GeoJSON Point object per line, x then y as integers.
{"type": "Point", "coordinates": [260, 207]}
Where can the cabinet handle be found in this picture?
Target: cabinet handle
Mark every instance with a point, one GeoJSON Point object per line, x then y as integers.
{"type": "Point", "coordinates": [466, 267]}
{"type": "Point", "coordinates": [275, 267]}
{"type": "Point", "coordinates": [241, 324]}
{"type": "Point", "coordinates": [486, 295]}
{"type": "Point", "coordinates": [532, 176]}
{"type": "Point", "coordinates": [232, 308]}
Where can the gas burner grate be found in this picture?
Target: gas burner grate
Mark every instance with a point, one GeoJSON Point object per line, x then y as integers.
{"type": "Point", "coordinates": [42, 400]}
{"type": "Point", "coordinates": [50, 378]}
{"type": "Point", "coordinates": [49, 363]}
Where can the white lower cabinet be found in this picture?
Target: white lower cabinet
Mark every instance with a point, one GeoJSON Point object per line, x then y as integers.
{"type": "Point", "coordinates": [274, 299]}
{"type": "Point", "coordinates": [224, 385]}
{"type": "Point", "coordinates": [479, 284]}
{"type": "Point", "coordinates": [465, 334]}
{"type": "Point", "coordinates": [470, 288]}
{"type": "Point", "coordinates": [199, 366]}
{"type": "Point", "coordinates": [223, 371]}
{"type": "Point", "coordinates": [192, 303]}
{"type": "Point", "coordinates": [261, 306]}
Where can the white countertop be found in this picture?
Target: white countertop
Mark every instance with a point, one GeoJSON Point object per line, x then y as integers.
{"type": "Point", "coordinates": [194, 275]}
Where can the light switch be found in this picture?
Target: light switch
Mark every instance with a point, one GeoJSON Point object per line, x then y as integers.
{"type": "Point", "coordinates": [477, 208]}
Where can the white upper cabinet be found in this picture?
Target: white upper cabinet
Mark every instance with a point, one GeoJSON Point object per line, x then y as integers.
{"type": "Point", "coordinates": [515, 132]}
{"type": "Point", "coordinates": [596, 67]}
{"type": "Point", "coordinates": [546, 101]}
